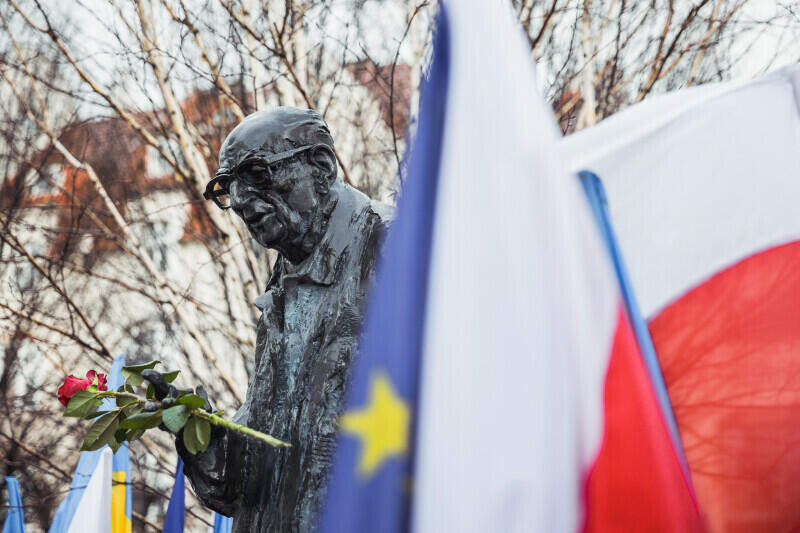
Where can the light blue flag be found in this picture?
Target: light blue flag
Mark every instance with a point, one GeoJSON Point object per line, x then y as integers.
{"type": "Point", "coordinates": [176, 510]}
{"type": "Point", "coordinates": [14, 521]}
{"type": "Point", "coordinates": [86, 466]}
{"type": "Point", "coordinates": [222, 524]}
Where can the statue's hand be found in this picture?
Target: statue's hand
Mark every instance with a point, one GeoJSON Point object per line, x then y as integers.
{"type": "Point", "coordinates": [206, 470]}
{"type": "Point", "coordinates": [167, 394]}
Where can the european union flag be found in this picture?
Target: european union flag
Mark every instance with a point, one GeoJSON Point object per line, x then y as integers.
{"type": "Point", "coordinates": [372, 472]}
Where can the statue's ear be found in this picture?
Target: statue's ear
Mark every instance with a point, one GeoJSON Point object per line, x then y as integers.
{"type": "Point", "coordinates": [323, 158]}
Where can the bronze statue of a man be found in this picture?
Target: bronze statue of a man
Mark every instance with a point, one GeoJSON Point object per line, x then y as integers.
{"type": "Point", "coordinates": [278, 173]}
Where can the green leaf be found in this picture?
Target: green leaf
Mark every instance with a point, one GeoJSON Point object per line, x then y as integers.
{"type": "Point", "coordinates": [101, 432]}
{"type": "Point", "coordinates": [95, 414]}
{"type": "Point", "coordinates": [132, 378]}
{"type": "Point", "coordinates": [115, 444]}
{"type": "Point", "coordinates": [122, 401]}
{"type": "Point", "coordinates": [81, 404]}
{"type": "Point", "coordinates": [151, 392]}
{"type": "Point", "coordinates": [142, 421]}
{"type": "Point", "coordinates": [132, 374]}
{"type": "Point", "coordinates": [139, 368]}
{"type": "Point", "coordinates": [192, 400]}
{"type": "Point", "coordinates": [170, 376]}
{"type": "Point", "coordinates": [131, 410]}
{"type": "Point", "coordinates": [121, 435]}
{"type": "Point", "coordinates": [135, 434]}
{"type": "Point", "coordinates": [190, 436]}
{"type": "Point", "coordinates": [203, 429]}
{"type": "Point", "coordinates": [175, 417]}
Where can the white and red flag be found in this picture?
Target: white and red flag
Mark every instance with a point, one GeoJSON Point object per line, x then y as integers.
{"type": "Point", "coordinates": [535, 410]}
{"type": "Point", "coordinates": [703, 188]}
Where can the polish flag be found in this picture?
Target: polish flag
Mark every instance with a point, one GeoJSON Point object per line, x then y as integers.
{"type": "Point", "coordinates": [703, 188]}
{"type": "Point", "coordinates": [535, 410]}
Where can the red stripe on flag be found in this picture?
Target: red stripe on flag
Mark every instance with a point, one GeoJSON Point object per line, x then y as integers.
{"type": "Point", "coordinates": [636, 483]}
{"type": "Point", "coordinates": [730, 352]}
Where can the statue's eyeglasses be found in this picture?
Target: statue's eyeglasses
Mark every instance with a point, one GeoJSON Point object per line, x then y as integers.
{"type": "Point", "coordinates": [254, 169]}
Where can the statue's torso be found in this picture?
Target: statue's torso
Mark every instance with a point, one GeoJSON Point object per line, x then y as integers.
{"type": "Point", "coordinates": [310, 322]}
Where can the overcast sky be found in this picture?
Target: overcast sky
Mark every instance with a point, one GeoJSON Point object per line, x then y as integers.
{"type": "Point", "coordinates": [772, 49]}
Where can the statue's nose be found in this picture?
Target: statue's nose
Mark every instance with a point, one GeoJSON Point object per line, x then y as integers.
{"type": "Point", "coordinates": [240, 197]}
{"type": "Point", "coordinates": [247, 203]}
{"type": "Point", "coordinates": [253, 210]}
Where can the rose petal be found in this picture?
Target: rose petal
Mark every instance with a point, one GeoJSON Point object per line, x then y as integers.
{"type": "Point", "coordinates": [70, 386]}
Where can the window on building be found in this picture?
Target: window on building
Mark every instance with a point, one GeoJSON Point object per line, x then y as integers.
{"type": "Point", "coordinates": [25, 274]}
{"type": "Point", "coordinates": [158, 167]}
{"type": "Point", "coordinates": [155, 243]}
{"type": "Point", "coordinates": [46, 179]}
{"type": "Point", "coordinates": [223, 117]}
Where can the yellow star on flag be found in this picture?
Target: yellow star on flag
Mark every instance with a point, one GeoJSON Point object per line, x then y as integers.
{"type": "Point", "coordinates": [381, 425]}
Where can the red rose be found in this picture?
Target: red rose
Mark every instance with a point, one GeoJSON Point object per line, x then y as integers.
{"type": "Point", "coordinates": [101, 379]}
{"type": "Point", "coordinates": [72, 385]}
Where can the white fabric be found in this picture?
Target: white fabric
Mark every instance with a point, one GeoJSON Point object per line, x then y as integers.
{"type": "Point", "coordinates": [93, 514]}
{"type": "Point", "coordinates": [522, 303]}
{"type": "Point", "coordinates": [696, 187]}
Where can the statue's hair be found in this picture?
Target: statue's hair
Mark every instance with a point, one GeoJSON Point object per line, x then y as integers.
{"type": "Point", "coordinates": [275, 130]}
{"type": "Point", "coordinates": [301, 126]}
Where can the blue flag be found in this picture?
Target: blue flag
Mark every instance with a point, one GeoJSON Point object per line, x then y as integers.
{"type": "Point", "coordinates": [176, 510]}
{"type": "Point", "coordinates": [14, 520]}
{"type": "Point", "coordinates": [371, 482]}
{"type": "Point", "coordinates": [222, 524]}
{"type": "Point", "coordinates": [120, 493]}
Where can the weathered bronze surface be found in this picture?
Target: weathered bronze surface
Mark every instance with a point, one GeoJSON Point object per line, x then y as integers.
{"type": "Point", "coordinates": [327, 235]}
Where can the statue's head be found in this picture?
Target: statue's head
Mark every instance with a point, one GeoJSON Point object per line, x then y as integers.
{"type": "Point", "coordinates": [276, 170]}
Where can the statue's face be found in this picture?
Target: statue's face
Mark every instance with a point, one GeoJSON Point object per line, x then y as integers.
{"type": "Point", "coordinates": [275, 171]}
{"type": "Point", "coordinates": [278, 203]}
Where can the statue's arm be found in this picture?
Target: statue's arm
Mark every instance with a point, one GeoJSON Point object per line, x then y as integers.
{"type": "Point", "coordinates": [218, 474]}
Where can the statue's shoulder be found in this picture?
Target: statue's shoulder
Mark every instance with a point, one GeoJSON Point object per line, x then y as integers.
{"type": "Point", "coordinates": [363, 207]}
{"type": "Point", "coordinates": [384, 211]}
